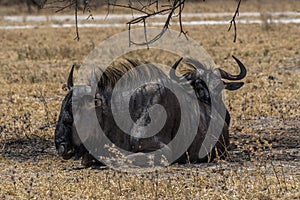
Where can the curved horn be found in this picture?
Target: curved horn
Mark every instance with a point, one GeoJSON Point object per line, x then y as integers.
{"type": "Point", "coordinates": [233, 85]}
{"type": "Point", "coordinates": [70, 78]}
{"type": "Point", "coordinates": [93, 81]}
{"type": "Point", "coordinates": [172, 71]}
{"type": "Point", "coordinates": [240, 76]}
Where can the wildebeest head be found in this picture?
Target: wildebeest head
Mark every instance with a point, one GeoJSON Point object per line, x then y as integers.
{"type": "Point", "coordinates": [67, 141]}
{"type": "Point", "coordinates": [208, 83]}
{"type": "Point", "coordinates": [205, 81]}
{"type": "Point", "coordinates": [63, 131]}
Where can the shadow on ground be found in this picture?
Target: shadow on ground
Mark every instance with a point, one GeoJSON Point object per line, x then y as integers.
{"type": "Point", "coordinates": [27, 149]}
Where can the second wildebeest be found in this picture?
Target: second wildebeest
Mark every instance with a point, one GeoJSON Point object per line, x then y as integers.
{"type": "Point", "coordinates": [206, 83]}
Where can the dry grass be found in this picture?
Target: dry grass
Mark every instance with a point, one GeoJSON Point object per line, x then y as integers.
{"type": "Point", "coordinates": [264, 162]}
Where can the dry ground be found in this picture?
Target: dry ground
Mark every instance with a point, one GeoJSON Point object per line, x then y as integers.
{"type": "Point", "coordinates": [263, 163]}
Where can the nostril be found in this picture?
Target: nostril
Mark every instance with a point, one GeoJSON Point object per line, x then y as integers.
{"type": "Point", "coordinates": [61, 149]}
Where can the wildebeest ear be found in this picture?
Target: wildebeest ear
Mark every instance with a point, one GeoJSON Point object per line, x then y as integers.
{"type": "Point", "coordinates": [233, 85]}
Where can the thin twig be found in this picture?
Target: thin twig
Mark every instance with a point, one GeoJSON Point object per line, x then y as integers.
{"type": "Point", "coordinates": [127, 7]}
{"type": "Point", "coordinates": [76, 21]}
{"type": "Point", "coordinates": [64, 7]}
{"type": "Point", "coordinates": [169, 11]}
{"type": "Point", "coordinates": [180, 21]}
{"type": "Point", "coordinates": [234, 22]}
{"type": "Point", "coordinates": [145, 11]}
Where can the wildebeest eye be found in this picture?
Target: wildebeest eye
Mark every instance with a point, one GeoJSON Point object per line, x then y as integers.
{"type": "Point", "coordinates": [98, 102]}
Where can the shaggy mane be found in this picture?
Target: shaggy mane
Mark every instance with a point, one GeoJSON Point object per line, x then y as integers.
{"type": "Point", "coordinates": [111, 75]}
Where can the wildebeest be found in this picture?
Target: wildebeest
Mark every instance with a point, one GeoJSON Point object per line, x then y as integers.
{"type": "Point", "coordinates": [208, 86]}
{"type": "Point", "coordinates": [206, 83]}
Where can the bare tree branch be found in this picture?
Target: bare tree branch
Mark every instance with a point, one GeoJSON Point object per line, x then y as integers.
{"type": "Point", "coordinates": [66, 6]}
{"type": "Point", "coordinates": [142, 11]}
{"type": "Point", "coordinates": [146, 13]}
{"type": "Point", "coordinates": [234, 22]}
{"type": "Point", "coordinates": [76, 20]}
